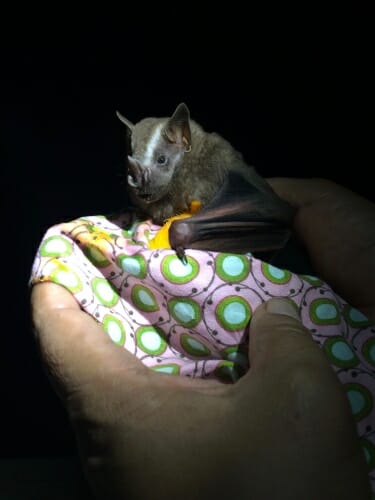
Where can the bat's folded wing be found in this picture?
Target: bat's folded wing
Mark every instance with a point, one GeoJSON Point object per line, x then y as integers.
{"type": "Point", "coordinates": [241, 218]}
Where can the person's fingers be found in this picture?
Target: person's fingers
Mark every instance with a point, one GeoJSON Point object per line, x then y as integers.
{"type": "Point", "coordinates": [289, 370]}
{"type": "Point", "coordinates": [337, 228]}
{"type": "Point", "coordinates": [81, 358]}
{"type": "Point", "coordinates": [283, 353]}
{"type": "Point", "coordinates": [276, 333]}
{"type": "Point", "coordinates": [300, 192]}
{"type": "Point", "coordinates": [75, 349]}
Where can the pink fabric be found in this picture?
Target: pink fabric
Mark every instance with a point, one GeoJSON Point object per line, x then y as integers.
{"type": "Point", "coordinates": [194, 319]}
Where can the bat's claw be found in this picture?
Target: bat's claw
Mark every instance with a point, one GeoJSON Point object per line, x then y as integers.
{"type": "Point", "coordinates": [181, 255]}
{"type": "Point", "coordinates": [179, 238]}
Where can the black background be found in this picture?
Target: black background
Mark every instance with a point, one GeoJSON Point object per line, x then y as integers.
{"type": "Point", "coordinates": [291, 90]}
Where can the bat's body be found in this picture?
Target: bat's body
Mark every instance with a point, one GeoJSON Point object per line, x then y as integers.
{"type": "Point", "coordinates": [174, 162]}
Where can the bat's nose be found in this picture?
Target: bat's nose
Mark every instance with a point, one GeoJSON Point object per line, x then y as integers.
{"type": "Point", "coordinates": [135, 176]}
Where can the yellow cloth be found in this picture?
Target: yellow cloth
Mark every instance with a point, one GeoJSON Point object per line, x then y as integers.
{"type": "Point", "coordinates": [161, 239]}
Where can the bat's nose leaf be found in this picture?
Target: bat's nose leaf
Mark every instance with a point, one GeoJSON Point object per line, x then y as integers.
{"type": "Point", "coordinates": [136, 174]}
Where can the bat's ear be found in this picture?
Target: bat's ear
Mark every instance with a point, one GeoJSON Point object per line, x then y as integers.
{"type": "Point", "coordinates": [177, 128]}
{"type": "Point", "coordinates": [128, 123]}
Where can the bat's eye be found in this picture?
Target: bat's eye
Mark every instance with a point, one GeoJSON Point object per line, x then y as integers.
{"type": "Point", "coordinates": [162, 160]}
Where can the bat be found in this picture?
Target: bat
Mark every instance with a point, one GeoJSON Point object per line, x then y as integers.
{"type": "Point", "coordinates": [174, 162]}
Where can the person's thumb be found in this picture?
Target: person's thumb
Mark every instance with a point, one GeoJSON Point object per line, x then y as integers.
{"type": "Point", "coordinates": [295, 394]}
{"type": "Point", "coordinates": [277, 336]}
{"type": "Point", "coordinates": [77, 353]}
{"type": "Point", "coordinates": [288, 367]}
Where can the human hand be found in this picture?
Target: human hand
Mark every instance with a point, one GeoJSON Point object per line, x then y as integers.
{"type": "Point", "coordinates": [284, 430]}
{"type": "Point", "coordinates": [337, 227]}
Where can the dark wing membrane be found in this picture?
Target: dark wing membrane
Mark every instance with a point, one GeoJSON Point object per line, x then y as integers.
{"type": "Point", "coordinates": [241, 218]}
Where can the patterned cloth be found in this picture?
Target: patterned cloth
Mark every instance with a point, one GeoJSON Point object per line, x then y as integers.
{"type": "Point", "coordinates": [193, 319]}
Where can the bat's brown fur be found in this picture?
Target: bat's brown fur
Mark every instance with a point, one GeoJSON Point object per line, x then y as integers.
{"type": "Point", "coordinates": [197, 175]}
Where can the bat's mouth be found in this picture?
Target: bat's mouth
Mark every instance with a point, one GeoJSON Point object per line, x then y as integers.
{"type": "Point", "coordinates": [147, 197]}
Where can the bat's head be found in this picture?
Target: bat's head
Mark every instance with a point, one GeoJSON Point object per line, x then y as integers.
{"type": "Point", "coordinates": [158, 146]}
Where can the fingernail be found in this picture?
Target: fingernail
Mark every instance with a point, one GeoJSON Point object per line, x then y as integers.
{"type": "Point", "coordinates": [282, 306]}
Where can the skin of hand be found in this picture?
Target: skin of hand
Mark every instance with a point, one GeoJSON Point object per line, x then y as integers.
{"type": "Point", "coordinates": [284, 430]}
{"type": "Point", "coordinates": [337, 227]}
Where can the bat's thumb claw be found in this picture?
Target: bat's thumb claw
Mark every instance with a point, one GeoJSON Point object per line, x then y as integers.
{"type": "Point", "coordinates": [181, 255]}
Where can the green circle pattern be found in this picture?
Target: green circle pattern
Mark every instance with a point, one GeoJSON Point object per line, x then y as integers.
{"type": "Point", "coordinates": [355, 318]}
{"type": "Point", "coordinates": [233, 313]}
{"type": "Point", "coordinates": [232, 268]}
{"type": "Point", "coordinates": [169, 368]}
{"type": "Point", "coordinates": [67, 278]}
{"type": "Point", "coordinates": [96, 256]}
{"type": "Point", "coordinates": [185, 311]}
{"type": "Point", "coordinates": [276, 275]}
{"type": "Point", "coordinates": [56, 246]}
{"type": "Point", "coordinates": [151, 340]}
{"type": "Point", "coordinates": [104, 292]}
{"type": "Point", "coordinates": [144, 299]}
{"type": "Point", "coordinates": [193, 346]}
{"type": "Point", "coordinates": [236, 354]}
{"type": "Point", "coordinates": [368, 350]}
{"type": "Point", "coordinates": [133, 264]}
{"type": "Point", "coordinates": [360, 400]}
{"type": "Point", "coordinates": [227, 372]}
{"type": "Point", "coordinates": [340, 353]}
{"type": "Point", "coordinates": [313, 280]}
{"type": "Point", "coordinates": [324, 312]}
{"type": "Point", "coordinates": [369, 451]}
{"type": "Point", "coordinates": [176, 271]}
{"type": "Point", "coordinates": [114, 328]}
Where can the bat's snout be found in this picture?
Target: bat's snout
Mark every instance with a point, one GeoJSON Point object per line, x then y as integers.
{"type": "Point", "coordinates": [139, 179]}
{"type": "Point", "coordinates": [136, 173]}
